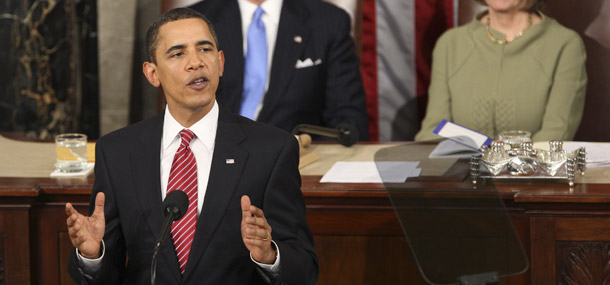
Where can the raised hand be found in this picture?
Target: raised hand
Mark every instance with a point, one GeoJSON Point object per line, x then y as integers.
{"type": "Point", "coordinates": [86, 233]}
{"type": "Point", "coordinates": [256, 232]}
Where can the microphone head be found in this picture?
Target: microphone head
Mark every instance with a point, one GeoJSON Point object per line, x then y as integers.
{"type": "Point", "coordinates": [348, 134]}
{"type": "Point", "coordinates": [176, 202]}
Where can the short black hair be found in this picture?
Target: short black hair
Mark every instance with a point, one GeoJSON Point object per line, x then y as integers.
{"type": "Point", "coordinates": [152, 34]}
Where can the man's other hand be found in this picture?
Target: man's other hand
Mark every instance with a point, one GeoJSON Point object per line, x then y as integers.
{"type": "Point", "coordinates": [86, 233]}
{"type": "Point", "coordinates": [256, 232]}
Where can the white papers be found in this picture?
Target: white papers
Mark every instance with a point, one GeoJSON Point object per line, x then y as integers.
{"type": "Point", "coordinates": [371, 172]}
{"type": "Point", "coordinates": [598, 154]}
{"type": "Point", "coordinates": [449, 148]}
{"type": "Point", "coordinates": [85, 172]}
{"type": "Point", "coordinates": [462, 135]}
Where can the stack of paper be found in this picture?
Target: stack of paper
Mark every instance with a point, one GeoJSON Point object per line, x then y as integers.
{"type": "Point", "coordinates": [598, 154]}
{"type": "Point", "coordinates": [462, 135]}
{"type": "Point", "coordinates": [460, 141]}
{"type": "Point", "coordinates": [449, 148]}
{"type": "Point", "coordinates": [371, 172]}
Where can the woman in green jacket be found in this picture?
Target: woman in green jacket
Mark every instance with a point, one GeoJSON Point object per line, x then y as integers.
{"type": "Point", "coordinates": [510, 68]}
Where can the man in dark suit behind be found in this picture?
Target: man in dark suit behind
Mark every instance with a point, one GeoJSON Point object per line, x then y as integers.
{"type": "Point", "coordinates": [238, 164]}
{"type": "Point", "coordinates": [313, 72]}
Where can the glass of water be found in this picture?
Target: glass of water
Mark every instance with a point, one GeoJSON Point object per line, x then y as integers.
{"type": "Point", "coordinates": [71, 152]}
{"type": "Point", "coordinates": [515, 138]}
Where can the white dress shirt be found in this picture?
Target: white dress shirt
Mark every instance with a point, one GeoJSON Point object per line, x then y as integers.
{"type": "Point", "coordinates": [271, 19]}
{"type": "Point", "coordinates": [202, 146]}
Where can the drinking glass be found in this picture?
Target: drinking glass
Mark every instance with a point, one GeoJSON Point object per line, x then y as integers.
{"type": "Point", "coordinates": [71, 152]}
{"type": "Point", "coordinates": [514, 138]}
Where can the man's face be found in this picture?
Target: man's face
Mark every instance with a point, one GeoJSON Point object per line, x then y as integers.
{"type": "Point", "coordinates": [188, 66]}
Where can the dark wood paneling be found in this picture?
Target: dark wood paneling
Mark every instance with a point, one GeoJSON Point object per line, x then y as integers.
{"type": "Point", "coordinates": [583, 263]}
{"type": "Point", "coordinates": [65, 246]}
{"type": "Point", "coordinates": [32, 223]}
{"type": "Point", "coordinates": [348, 259]}
{"type": "Point", "coordinates": [360, 222]}
{"type": "Point", "coordinates": [522, 228]}
{"type": "Point", "coordinates": [14, 244]}
{"type": "Point", "coordinates": [570, 247]}
{"type": "Point", "coordinates": [542, 250]}
{"type": "Point", "coordinates": [54, 248]}
{"type": "Point", "coordinates": [582, 229]}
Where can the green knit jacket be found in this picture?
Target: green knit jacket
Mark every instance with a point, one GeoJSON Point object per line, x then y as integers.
{"type": "Point", "coordinates": [536, 83]}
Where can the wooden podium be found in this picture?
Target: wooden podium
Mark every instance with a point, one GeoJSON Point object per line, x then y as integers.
{"type": "Point", "coordinates": [565, 230]}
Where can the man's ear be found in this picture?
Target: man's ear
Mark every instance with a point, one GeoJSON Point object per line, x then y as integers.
{"type": "Point", "coordinates": [221, 62]}
{"type": "Point", "coordinates": [150, 71]}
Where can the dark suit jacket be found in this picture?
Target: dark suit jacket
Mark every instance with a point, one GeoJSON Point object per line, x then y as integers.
{"type": "Point", "coordinates": [326, 94]}
{"type": "Point", "coordinates": [266, 159]}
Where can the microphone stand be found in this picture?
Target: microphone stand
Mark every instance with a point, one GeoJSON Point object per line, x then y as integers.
{"type": "Point", "coordinates": [172, 213]}
{"type": "Point", "coordinates": [175, 204]}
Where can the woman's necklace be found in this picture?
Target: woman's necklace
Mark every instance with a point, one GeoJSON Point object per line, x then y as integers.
{"type": "Point", "coordinates": [505, 42]}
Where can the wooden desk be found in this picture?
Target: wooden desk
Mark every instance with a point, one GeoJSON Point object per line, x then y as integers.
{"type": "Point", "coordinates": [34, 245]}
{"type": "Point", "coordinates": [565, 231]}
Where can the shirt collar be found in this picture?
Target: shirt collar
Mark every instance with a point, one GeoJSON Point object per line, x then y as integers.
{"type": "Point", "coordinates": [204, 129]}
{"type": "Point", "coordinates": [273, 9]}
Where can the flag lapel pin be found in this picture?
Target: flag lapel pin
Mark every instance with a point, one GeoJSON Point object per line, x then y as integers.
{"type": "Point", "coordinates": [230, 161]}
{"type": "Point", "coordinates": [298, 39]}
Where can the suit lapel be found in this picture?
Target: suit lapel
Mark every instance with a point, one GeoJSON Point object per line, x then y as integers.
{"type": "Point", "coordinates": [221, 186]}
{"type": "Point", "coordinates": [147, 184]}
{"type": "Point", "coordinates": [293, 19]}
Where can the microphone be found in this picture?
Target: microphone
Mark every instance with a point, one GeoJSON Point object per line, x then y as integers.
{"type": "Point", "coordinates": [345, 134]}
{"type": "Point", "coordinates": [175, 204]}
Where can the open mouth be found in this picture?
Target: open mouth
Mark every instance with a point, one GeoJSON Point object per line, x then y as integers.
{"type": "Point", "coordinates": [198, 82]}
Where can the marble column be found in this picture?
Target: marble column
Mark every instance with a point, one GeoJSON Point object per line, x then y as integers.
{"type": "Point", "coordinates": [41, 79]}
{"type": "Point", "coordinates": [116, 25]}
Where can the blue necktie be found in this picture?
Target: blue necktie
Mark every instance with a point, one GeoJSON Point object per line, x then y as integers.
{"type": "Point", "coordinates": [255, 74]}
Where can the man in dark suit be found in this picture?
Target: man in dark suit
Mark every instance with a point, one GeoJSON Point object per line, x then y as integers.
{"type": "Point", "coordinates": [313, 74]}
{"type": "Point", "coordinates": [234, 164]}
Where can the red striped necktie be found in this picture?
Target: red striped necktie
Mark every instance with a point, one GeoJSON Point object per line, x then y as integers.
{"type": "Point", "coordinates": [183, 176]}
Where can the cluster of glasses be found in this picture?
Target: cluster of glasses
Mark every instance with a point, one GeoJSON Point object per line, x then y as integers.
{"type": "Point", "coordinates": [521, 160]}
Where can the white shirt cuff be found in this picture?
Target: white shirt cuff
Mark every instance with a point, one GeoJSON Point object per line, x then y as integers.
{"type": "Point", "coordinates": [274, 268]}
{"type": "Point", "coordinates": [91, 266]}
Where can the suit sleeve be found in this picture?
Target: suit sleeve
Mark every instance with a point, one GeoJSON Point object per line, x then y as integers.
{"type": "Point", "coordinates": [345, 97]}
{"type": "Point", "coordinates": [439, 97]}
{"type": "Point", "coordinates": [564, 108]}
{"type": "Point", "coordinates": [113, 263]}
{"type": "Point", "coordinates": [284, 208]}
